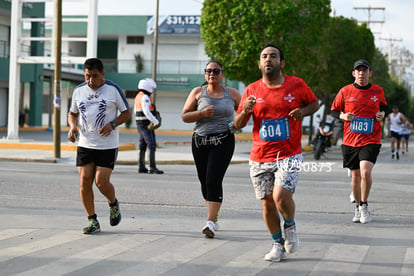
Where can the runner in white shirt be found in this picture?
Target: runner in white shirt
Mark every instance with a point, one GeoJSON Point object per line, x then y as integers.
{"type": "Point", "coordinates": [99, 106]}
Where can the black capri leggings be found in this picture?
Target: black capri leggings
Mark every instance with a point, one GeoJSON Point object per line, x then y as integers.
{"type": "Point", "coordinates": [212, 155]}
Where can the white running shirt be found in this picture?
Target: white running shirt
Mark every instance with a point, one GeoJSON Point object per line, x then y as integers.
{"type": "Point", "coordinates": [96, 108]}
{"type": "Point", "coordinates": [395, 122]}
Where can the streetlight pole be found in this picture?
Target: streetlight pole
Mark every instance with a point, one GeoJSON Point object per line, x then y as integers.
{"type": "Point", "coordinates": [57, 76]}
{"type": "Point", "coordinates": [155, 50]}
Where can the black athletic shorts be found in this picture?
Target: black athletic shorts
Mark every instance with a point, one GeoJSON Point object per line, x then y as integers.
{"type": "Point", "coordinates": [353, 155]}
{"type": "Point", "coordinates": [102, 158]}
{"type": "Point", "coordinates": [395, 135]}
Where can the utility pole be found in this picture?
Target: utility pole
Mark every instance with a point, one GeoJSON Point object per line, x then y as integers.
{"type": "Point", "coordinates": [371, 10]}
{"type": "Point", "coordinates": [370, 21]}
{"type": "Point", "coordinates": [390, 44]}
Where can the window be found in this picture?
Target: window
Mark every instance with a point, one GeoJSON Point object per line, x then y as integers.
{"type": "Point", "coordinates": [135, 40]}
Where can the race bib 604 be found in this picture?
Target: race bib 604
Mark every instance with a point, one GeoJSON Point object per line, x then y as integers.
{"type": "Point", "coordinates": [275, 129]}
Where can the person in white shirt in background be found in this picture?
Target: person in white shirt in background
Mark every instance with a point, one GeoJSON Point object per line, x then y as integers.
{"type": "Point", "coordinates": [396, 119]}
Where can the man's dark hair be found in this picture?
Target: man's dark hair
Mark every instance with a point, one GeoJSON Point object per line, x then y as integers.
{"type": "Point", "coordinates": [281, 54]}
{"type": "Point", "coordinates": [93, 63]}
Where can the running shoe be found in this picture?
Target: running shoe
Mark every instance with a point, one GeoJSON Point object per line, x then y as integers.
{"type": "Point", "coordinates": [291, 239]}
{"type": "Point", "coordinates": [357, 216]}
{"type": "Point", "coordinates": [397, 155]}
{"type": "Point", "coordinates": [365, 214]}
{"type": "Point", "coordinates": [277, 253]}
{"type": "Point", "coordinates": [93, 227]}
{"type": "Point", "coordinates": [216, 225]}
{"type": "Point", "coordinates": [114, 214]}
{"type": "Point", "coordinates": [210, 229]}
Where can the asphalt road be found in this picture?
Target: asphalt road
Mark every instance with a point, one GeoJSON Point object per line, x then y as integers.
{"type": "Point", "coordinates": [42, 218]}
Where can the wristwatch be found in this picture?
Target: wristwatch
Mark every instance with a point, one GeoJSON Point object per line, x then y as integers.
{"type": "Point", "coordinates": [113, 124]}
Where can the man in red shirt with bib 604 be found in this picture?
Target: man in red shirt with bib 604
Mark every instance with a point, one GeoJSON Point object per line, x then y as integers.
{"type": "Point", "coordinates": [361, 105]}
{"type": "Point", "coordinates": [277, 103]}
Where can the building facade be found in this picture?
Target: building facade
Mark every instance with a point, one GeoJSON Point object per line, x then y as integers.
{"type": "Point", "coordinates": [126, 46]}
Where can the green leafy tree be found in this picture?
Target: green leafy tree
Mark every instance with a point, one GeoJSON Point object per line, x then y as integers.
{"type": "Point", "coordinates": [234, 32]}
{"type": "Point", "coordinates": [344, 42]}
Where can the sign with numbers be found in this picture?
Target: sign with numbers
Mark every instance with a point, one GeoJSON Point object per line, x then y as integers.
{"type": "Point", "coordinates": [275, 130]}
{"type": "Point", "coordinates": [175, 24]}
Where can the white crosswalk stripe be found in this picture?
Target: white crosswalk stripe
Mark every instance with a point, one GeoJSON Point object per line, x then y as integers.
{"type": "Point", "coordinates": [89, 257]}
{"type": "Point", "coordinates": [12, 233]}
{"type": "Point", "coordinates": [408, 264]}
{"type": "Point", "coordinates": [33, 246]}
{"type": "Point", "coordinates": [249, 261]}
{"type": "Point", "coordinates": [172, 253]}
{"type": "Point", "coordinates": [340, 258]}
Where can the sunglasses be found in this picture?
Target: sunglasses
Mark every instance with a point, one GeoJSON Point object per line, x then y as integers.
{"type": "Point", "coordinates": [215, 71]}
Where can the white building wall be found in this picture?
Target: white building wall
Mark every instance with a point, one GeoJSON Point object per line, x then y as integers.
{"type": "Point", "coordinates": [176, 54]}
{"type": "Point", "coordinates": [127, 52]}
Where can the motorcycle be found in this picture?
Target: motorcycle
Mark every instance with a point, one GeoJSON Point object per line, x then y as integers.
{"type": "Point", "coordinates": [323, 138]}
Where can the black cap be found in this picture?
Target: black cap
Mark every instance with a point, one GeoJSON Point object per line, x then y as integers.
{"type": "Point", "coordinates": [361, 62]}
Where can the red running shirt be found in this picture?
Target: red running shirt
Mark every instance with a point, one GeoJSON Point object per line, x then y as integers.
{"type": "Point", "coordinates": [363, 103]}
{"type": "Point", "coordinates": [276, 103]}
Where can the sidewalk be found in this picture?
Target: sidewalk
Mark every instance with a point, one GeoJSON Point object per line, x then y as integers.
{"type": "Point", "coordinates": [174, 147]}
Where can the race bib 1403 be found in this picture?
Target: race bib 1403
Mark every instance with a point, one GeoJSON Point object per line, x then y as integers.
{"type": "Point", "coordinates": [275, 129]}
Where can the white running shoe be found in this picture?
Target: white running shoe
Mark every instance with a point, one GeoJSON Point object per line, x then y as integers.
{"type": "Point", "coordinates": [216, 226]}
{"type": "Point", "coordinates": [291, 239]}
{"type": "Point", "coordinates": [277, 253]}
{"type": "Point", "coordinates": [210, 229]}
{"type": "Point", "coordinates": [357, 216]}
{"type": "Point", "coordinates": [365, 214]}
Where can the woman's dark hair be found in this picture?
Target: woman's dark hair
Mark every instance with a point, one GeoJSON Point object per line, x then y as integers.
{"type": "Point", "coordinates": [217, 62]}
{"type": "Point", "coordinates": [213, 61]}
{"type": "Point", "coordinates": [281, 54]}
{"type": "Point", "coordinates": [93, 63]}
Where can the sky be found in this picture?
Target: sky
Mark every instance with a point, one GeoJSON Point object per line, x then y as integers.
{"type": "Point", "coordinates": [397, 17]}
{"type": "Point", "coordinates": [397, 14]}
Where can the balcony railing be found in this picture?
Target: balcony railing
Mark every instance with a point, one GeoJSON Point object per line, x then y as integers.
{"type": "Point", "coordinates": [163, 66]}
{"type": "Point", "coordinates": [121, 65]}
